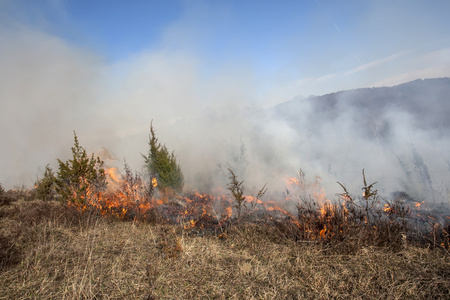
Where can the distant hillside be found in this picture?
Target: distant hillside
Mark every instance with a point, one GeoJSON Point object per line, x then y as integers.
{"type": "Point", "coordinates": [372, 110]}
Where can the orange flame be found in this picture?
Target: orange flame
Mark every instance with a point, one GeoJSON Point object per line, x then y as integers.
{"type": "Point", "coordinates": [129, 199]}
{"type": "Point", "coordinates": [112, 174]}
{"type": "Point", "coordinates": [387, 208]}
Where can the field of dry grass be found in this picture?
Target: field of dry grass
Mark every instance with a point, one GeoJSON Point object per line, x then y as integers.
{"type": "Point", "coordinates": [49, 251]}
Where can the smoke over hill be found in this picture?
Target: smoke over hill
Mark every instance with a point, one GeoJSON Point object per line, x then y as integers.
{"type": "Point", "coordinates": [399, 135]}
{"type": "Point", "coordinates": [377, 129]}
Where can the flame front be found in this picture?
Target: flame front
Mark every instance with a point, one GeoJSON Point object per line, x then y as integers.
{"type": "Point", "coordinates": [131, 198]}
{"type": "Point", "coordinates": [112, 175]}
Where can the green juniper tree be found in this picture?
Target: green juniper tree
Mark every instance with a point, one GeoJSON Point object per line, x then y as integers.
{"type": "Point", "coordinates": [80, 178]}
{"type": "Point", "coordinates": [162, 165]}
{"type": "Point", "coordinates": [45, 186]}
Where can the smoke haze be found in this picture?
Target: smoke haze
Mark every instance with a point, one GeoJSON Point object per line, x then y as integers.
{"type": "Point", "coordinates": [51, 87]}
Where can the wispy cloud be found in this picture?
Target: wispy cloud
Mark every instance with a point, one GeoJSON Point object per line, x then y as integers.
{"type": "Point", "coordinates": [428, 65]}
{"type": "Point", "coordinates": [379, 62]}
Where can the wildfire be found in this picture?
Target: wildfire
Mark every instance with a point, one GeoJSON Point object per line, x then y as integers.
{"type": "Point", "coordinates": [112, 174]}
{"type": "Point", "coordinates": [133, 198]}
{"type": "Point", "coordinates": [129, 197]}
{"type": "Point", "coordinates": [298, 186]}
{"type": "Point", "coordinates": [293, 181]}
{"type": "Point", "coordinates": [228, 212]}
{"type": "Point", "coordinates": [387, 208]}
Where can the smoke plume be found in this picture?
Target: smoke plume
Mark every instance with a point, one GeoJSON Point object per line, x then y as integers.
{"type": "Point", "coordinates": [212, 121]}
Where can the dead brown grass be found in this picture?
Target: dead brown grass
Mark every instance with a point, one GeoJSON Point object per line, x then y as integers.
{"type": "Point", "coordinates": [57, 253]}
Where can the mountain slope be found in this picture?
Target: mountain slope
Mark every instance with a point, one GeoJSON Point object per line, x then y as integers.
{"type": "Point", "coordinates": [426, 102]}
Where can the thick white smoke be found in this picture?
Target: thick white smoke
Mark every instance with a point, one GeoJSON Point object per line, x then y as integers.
{"type": "Point", "coordinates": [50, 87]}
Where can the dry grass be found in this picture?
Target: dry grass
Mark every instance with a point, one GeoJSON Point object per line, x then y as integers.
{"type": "Point", "coordinates": [53, 252]}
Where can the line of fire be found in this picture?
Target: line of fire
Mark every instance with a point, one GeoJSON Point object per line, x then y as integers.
{"type": "Point", "coordinates": [314, 218]}
{"type": "Point", "coordinates": [303, 212]}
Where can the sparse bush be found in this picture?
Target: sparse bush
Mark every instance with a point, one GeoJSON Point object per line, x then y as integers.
{"type": "Point", "coordinates": [353, 222]}
{"type": "Point", "coordinates": [80, 178]}
{"type": "Point", "coordinates": [236, 188]}
{"type": "Point", "coordinates": [163, 165]}
{"type": "Point", "coordinates": [367, 203]}
{"type": "Point", "coordinates": [134, 187]}
{"type": "Point", "coordinates": [435, 234]}
{"type": "Point", "coordinates": [15, 194]}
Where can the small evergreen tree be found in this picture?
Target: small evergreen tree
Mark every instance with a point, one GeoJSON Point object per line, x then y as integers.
{"type": "Point", "coordinates": [45, 186]}
{"type": "Point", "coordinates": [162, 165]}
{"type": "Point", "coordinates": [81, 177]}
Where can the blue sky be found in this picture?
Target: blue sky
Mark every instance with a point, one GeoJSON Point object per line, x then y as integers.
{"type": "Point", "coordinates": [106, 68]}
{"type": "Point", "coordinates": [288, 47]}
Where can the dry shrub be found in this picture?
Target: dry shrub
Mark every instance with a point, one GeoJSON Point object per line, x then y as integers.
{"type": "Point", "coordinates": [21, 193]}
{"type": "Point", "coordinates": [35, 212]}
{"type": "Point", "coordinates": [435, 234]}
{"type": "Point", "coordinates": [346, 228]}
{"type": "Point", "coordinates": [258, 234]}
{"type": "Point", "coordinates": [351, 223]}
{"type": "Point", "coordinates": [6, 197]}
